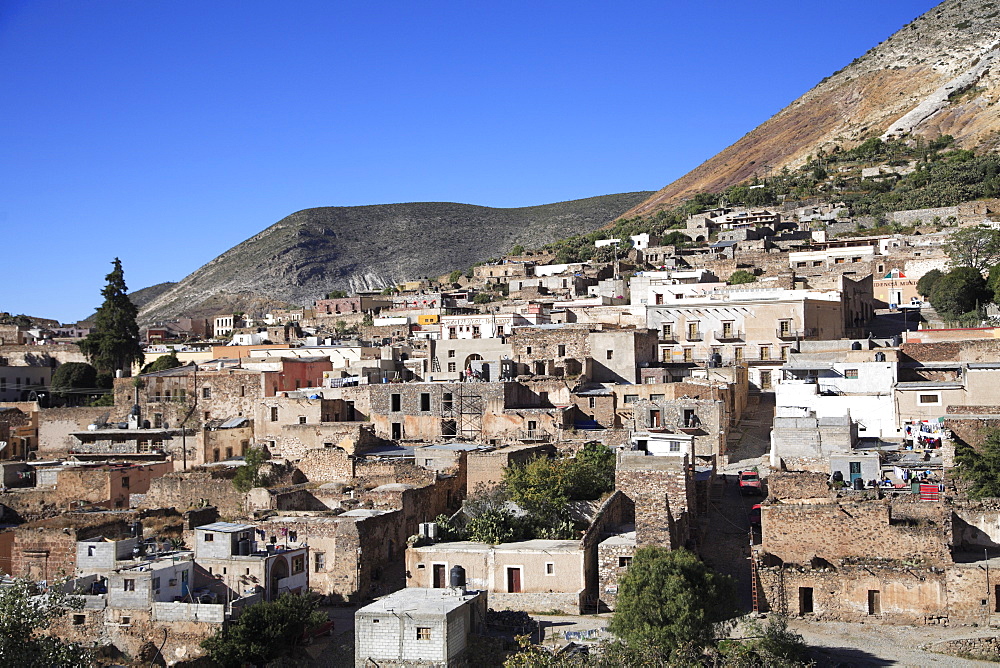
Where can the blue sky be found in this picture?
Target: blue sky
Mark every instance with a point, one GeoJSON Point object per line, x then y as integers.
{"type": "Point", "coordinates": [167, 132]}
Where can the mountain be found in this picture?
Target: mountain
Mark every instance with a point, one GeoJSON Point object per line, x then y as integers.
{"type": "Point", "coordinates": [314, 251]}
{"type": "Point", "coordinates": [937, 75]}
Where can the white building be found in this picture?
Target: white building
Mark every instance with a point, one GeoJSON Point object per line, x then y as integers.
{"type": "Point", "coordinates": [416, 626]}
{"type": "Point", "coordinates": [834, 380]}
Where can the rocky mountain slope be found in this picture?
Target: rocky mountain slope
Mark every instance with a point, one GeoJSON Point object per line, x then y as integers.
{"type": "Point", "coordinates": [939, 74]}
{"type": "Point", "coordinates": [309, 253]}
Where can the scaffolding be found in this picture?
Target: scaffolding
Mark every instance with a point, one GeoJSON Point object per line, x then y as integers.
{"type": "Point", "coordinates": [463, 415]}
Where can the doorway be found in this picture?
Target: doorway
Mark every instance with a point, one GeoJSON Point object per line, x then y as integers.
{"type": "Point", "coordinates": [805, 600]}
{"type": "Point", "coordinates": [439, 576]}
{"type": "Point", "coordinates": [874, 602]}
{"type": "Point", "coordinates": [514, 580]}
{"type": "Point", "coordinates": [855, 468]}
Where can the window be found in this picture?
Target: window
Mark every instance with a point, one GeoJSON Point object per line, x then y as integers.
{"type": "Point", "coordinates": [656, 397]}
{"type": "Point", "coordinates": [784, 352]}
{"type": "Point", "coordinates": [302, 419]}
{"type": "Point", "coordinates": [451, 353]}
{"type": "Point", "coordinates": [550, 568]}
{"type": "Point", "coordinates": [591, 402]}
{"type": "Point", "coordinates": [209, 537]}
{"type": "Point", "coordinates": [675, 446]}
{"type": "Point", "coordinates": [800, 264]}
{"type": "Point", "coordinates": [610, 354]}
{"type": "Point", "coordinates": [624, 562]}
{"type": "Point", "coordinates": [692, 330]}
{"type": "Point", "coordinates": [631, 398]}
{"type": "Point", "coordinates": [397, 402]}
{"type": "Point", "coordinates": [425, 401]}
{"type": "Point", "coordinates": [274, 413]}
{"type": "Point", "coordinates": [128, 584]}
{"type": "Point", "coordinates": [689, 355]}
{"type": "Point", "coordinates": [156, 583]}
{"type": "Point", "coordinates": [929, 399]}
{"type": "Point", "coordinates": [157, 420]}
{"type": "Point", "coordinates": [562, 350]}
{"type": "Point", "coordinates": [765, 352]}
{"type": "Point", "coordinates": [125, 482]}
{"type": "Point", "coordinates": [206, 393]}
{"type": "Point", "coordinates": [839, 260]}
{"type": "Point", "coordinates": [654, 419]}
{"type": "Point", "coordinates": [817, 263]}
{"type": "Point", "coordinates": [727, 329]}
{"type": "Point", "coordinates": [298, 564]}
{"type": "Point", "coordinates": [668, 330]}
{"type": "Point", "coordinates": [475, 332]}
{"type": "Point", "coordinates": [79, 620]}
{"type": "Point", "coordinates": [451, 367]}
{"type": "Point", "coordinates": [319, 561]}
{"type": "Point", "coordinates": [90, 550]}
{"type": "Point", "coordinates": [738, 355]}
{"type": "Point", "coordinates": [527, 350]}
{"type": "Point", "coordinates": [126, 620]}
{"type": "Point", "coordinates": [423, 633]}
{"type": "Point", "coordinates": [851, 373]}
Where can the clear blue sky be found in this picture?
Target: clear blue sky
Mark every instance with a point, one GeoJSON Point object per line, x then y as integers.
{"type": "Point", "coordinates": [165, 132]}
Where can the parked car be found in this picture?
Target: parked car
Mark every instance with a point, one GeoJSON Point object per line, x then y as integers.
{"type": "Point", "coordinates": [755, 515]}
{"type": "Point", "coordinates": [749, 482]}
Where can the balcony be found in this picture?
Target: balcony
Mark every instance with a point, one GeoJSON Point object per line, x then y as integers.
{"type": "Point", "coordinates": [534, 436]}
{"type": "Point", "coordinates": [794, 334]}
{"type": "Point", "coordinates": [728, 335]}
{"type": "Point", "coordinates": [668, 337]}
{"type": "Point", "coordinates": [695, 335]}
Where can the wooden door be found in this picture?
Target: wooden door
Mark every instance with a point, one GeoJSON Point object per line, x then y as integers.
{"type": "Point", "coordinates": [514, 580]}
{"type": "Point", "coordinates": [439, 576]}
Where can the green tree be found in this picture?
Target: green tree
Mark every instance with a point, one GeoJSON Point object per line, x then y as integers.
{"type": "Point", "coordinates": [265, 632]}
{"type": "Point", "coordinates": [926, 283]}
{"type": "Point", "coordinates": [162, 363]}
{"type": "Point", "coordinates": [454, 276]}
{"type": "Point", "coordinates": [249, 476]}
{"type": "Point", "coordinates": [981, 466]}
{"type": "Point", "coordinates": [336, 294]}
{"type": "Point", "coordinates": [482, 298]}
{"type": "Point", "coordinates": [113, 342]}
{"type": "Point", "coordinates": [959, 291]}
{"type": "Point", "coordinates": [977, 247]}
{"type": "Point", "coordinates": [518, 249]}
{"type": "Point", "coordinates": [671, 603]}
{"type": "Point", "coordinates": [592, 472]}
{"type": "Point", "coordinates": [741, 276]}
{"type": "Point", "coordinates": [24, 615]}
{"type": "Point", "coordinates": [72, 380]}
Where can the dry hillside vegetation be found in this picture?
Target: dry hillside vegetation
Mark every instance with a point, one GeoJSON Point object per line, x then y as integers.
{"type": "Point", "coordinates": [939, 74]}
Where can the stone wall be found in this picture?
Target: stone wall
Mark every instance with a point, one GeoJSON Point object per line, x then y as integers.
{"type": "Point", "coordinates": [797, 485]}
{"type": "Point", "coordinates": [540, 603]}
{"type": "Point", "coordinates": [659, 488]}
{"type": "Point", "coordinates": [486, 468]}
{"type": "Point", "coordinates": [837, 531]}
{"type": "Point", "coordinates": [905, 595]}
{"type": "Point", "coordinates": [192, 489]}
{"type": "Point", "coordinates": [326, 465]}
{"type": "Point", "coordinates": [985, 648]}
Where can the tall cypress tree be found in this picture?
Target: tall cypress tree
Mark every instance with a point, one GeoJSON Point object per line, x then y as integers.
{"type": "Point", "coordinates": [113, 342]}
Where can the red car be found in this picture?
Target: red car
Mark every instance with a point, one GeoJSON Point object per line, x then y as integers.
{"type": "Point", "coordinates": [749, 482]}
{"type": "Point", "coordinates": [755, 515]}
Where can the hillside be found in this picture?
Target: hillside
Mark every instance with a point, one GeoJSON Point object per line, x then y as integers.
{"type": "Point", "coordinates": [936, 75]}
{"type": "Point", "coordinates": [311, 252]}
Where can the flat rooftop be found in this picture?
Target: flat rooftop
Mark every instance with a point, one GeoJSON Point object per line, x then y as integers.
{"type": "Point", "coordinates": [535, 545]}
{"type": "Point", "coordinates": [417, 600]}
